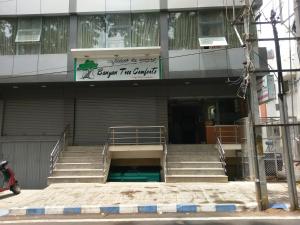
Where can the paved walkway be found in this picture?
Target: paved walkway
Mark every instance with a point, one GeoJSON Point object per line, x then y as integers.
{"type": "Point", "coordinates": [116, 194]}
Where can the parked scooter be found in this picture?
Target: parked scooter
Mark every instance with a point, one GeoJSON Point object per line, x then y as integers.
{"type": "Point", "coordinates": [7, 179]}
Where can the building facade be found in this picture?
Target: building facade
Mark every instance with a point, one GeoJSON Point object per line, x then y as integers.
{"type": "Point", "coordinates": [93, 64]}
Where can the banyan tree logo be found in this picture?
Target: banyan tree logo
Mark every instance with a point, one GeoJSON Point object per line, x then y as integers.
{"type": "Point", "coordinates": [88, 67]}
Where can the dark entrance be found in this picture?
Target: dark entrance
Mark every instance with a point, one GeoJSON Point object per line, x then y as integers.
{"type": "Point", "coordinates": [186, 122]}
{"type": "Point", "coordinates": [191, 118]}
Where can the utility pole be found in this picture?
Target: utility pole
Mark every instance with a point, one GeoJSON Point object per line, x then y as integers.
{"type": "Point", "coordinates": [256, 150]}
{"type": "Point", "coordinates": [287, 147]}
{"type": "Point", "coordinates": [297, 23]}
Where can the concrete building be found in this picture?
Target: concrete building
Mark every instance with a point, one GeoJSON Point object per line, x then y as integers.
{"type": "Point", "coordinates": [95, 64]}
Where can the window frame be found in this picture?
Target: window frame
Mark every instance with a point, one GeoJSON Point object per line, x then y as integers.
{"type": "Point", "coordinates": [38, 29]}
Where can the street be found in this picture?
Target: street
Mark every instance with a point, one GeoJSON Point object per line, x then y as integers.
{"type": "Point", "coordinates": [170, 219]}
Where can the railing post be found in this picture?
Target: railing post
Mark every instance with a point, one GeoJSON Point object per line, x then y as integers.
{"type": "Point", "coordinates": [64, 144]}
{"type": "Point", "coordinates": [113, 136]}
{"type": "Point", "coordinates": [235, 133]}
{"type": "Point", "coordinates": [160, 134]}
{"type": "Point", "coordinates": [136, 136]}
{"type": "Point", "coordinates": [51, 167]}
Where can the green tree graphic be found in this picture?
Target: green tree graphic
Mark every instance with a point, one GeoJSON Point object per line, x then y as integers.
{"type": "Point", "coordinates": [89, 66]}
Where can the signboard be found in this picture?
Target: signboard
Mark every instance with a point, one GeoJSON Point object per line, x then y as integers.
{"type": "Point", "coordinates": [266, 89]}
{"type": "Point", "coordinates": [117, 69]}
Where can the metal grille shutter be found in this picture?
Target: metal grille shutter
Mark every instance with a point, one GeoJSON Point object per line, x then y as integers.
{"type": "Point", "coordinates": [94, 116]}
{"type": "Point", "coordinates": [33, 117]}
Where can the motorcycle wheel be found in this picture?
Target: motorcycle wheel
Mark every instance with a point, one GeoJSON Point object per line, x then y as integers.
{"type": "Point", "coordinates": [15, 189]}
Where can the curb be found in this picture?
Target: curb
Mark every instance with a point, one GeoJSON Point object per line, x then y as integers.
{"type": "Point", "coordinates": [136, 209]}
{"type": "Point", "coordinates": [131, 209]}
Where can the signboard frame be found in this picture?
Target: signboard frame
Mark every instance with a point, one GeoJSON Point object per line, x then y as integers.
{"type": "Point", "coordinates": [117, 69]}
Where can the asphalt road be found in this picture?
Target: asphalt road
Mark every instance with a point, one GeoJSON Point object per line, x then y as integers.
{"type": "Point", "coordinates": [197, 219]}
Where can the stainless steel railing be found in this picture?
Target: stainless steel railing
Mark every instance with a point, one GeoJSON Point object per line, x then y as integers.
{"type": "Point", "coordinates": [58, 148]}
{"type": "Point", "coordinates": [106, 160]}
{"type": "Point", "coordinates": [221, 154]}
{"type": "Point", "coordinates": [136, 135]}
{"type": "Point", "coordinates": [165, 161]}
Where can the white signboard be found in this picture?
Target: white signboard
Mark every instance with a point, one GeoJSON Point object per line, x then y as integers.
{"type": "Point", "coordinates": [117, 69]}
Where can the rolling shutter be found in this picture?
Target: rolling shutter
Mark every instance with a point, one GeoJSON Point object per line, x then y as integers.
{"type": "Point", "coordinates": [33, 117]}
{"type": "Point", "coordinates": [94, 116]}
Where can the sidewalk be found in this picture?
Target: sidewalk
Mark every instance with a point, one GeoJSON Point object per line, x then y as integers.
{"type": "Point", "coordinates": [140, 198]}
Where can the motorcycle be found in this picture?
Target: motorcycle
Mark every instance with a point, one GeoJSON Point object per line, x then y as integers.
{"type": "Point", "coordinates": [7, 179]}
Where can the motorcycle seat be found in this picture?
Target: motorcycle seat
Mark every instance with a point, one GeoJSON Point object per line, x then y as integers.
{"type": "Point", "coordinates": [3, 164]}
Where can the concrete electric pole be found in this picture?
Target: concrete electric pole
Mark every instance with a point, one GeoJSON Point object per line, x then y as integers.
{"type": "Point", "coordinates": [256, 150]}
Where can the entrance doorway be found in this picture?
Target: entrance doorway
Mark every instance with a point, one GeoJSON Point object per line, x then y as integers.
{"type": "Point", "coordinates": [190, 118]}
{"type": "Point", "coordinates": [187, 121]}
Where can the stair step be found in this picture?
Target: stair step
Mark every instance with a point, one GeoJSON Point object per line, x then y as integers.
{"type": "Point", "coordinates": [195, 171]}
{"type": "Point", "coordinates": [81, 154]}
{"type": "Point", "coordinates": [215, 153]}
{"type": "Point", "coordinates": [85, 148]}
{"type": "Point", "coordinates": [76, 179]}
{"type": "Point", "coordinates": [192, 157]}
{"type": "Point", "coordinates": [197, 164]}
{"type": "Point", "coordinates": [78, 165]}
{"type": "Point", "coordinates": [188, 147]}
{"type": "Point", "coordinates": [80, 159]}
{"type": "Point", "coordinates": [196, 178]}
{"type": "Point", "coordinates": [77, 172]}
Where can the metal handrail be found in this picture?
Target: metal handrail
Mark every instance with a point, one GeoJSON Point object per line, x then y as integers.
{"type": "Point", "coordinates": [135, 135]}
{"type": "Point", "coordinates": [221, 154]}
{"type": "Point", "coordinates": [58, 148]}
{"type": "Point", "coordinates": [125, 127]}
{"type": "Point", "coordinates": [106, 160]}
{"type": "Point", "coordinates": [165, 161]}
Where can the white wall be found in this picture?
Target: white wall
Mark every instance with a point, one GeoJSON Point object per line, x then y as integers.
{"type": "Point", "coordinates": [175, 4]}
{"type": "Point", "coordinates": [8, 7]}
{"type": "Point", "coordinates": [36, 7]}
{"type": "Point", "coordinates": [54, 6]}
{"type": "Point", "coordinates": [118, 5]}
{"type": "Point", "coordinates": [182, 4]}
{"type": "Point", "coordinates": [91, 5]}
{"type": "Point", "coordinates": [33, 7]}
{"type": "Point", "coordinates": [28, 7]}
{"type": "Point", "coordinates": [141, 5]}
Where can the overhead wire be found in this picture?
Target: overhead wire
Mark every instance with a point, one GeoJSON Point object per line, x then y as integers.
{"type": "Point", "coordinates": [244, 84]}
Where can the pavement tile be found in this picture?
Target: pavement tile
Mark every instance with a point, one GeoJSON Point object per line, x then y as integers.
{"type": "Point", "coordinates": [164, 195]}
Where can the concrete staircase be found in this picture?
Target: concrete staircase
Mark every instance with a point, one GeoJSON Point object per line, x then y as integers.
{"type": "Point", "coordinates": [79, 164]}
{"type": "Point", "coordinates": [194, 163]}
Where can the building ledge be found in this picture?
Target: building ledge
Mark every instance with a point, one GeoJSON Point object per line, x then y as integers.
{"type": "Point", "coordinates": [108, 53]}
